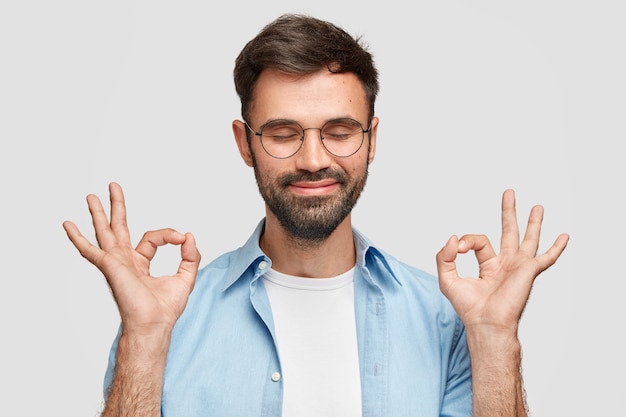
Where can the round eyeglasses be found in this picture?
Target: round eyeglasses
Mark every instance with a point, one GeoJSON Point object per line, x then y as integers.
{"type": "Point", "coordinates": [283, 138]}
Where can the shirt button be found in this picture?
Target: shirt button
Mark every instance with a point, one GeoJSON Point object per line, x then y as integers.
{"type": "Point", "coordinates": [262, 265]}
{"type": "Point", "coordinates": [276, 376]}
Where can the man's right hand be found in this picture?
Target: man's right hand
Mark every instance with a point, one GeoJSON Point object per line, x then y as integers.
{"type": "Point", "coordinates": [145, 303]}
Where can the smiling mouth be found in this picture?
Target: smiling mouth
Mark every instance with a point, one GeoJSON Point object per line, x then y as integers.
{"type": "Point", "coordinates": [314, 188]}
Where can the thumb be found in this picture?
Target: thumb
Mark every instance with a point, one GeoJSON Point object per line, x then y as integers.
{"type": "Point", "coordinates": [446, 265]}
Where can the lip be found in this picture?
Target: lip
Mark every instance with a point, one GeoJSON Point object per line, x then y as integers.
{"type": "Point", "coordinates": [315, 187]}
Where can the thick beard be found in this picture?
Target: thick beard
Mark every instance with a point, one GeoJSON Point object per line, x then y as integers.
{"type": "Point", "coordinates": [310, 220]}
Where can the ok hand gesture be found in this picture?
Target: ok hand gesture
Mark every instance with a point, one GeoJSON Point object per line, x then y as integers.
{"type": "Point", "coordinates": [496, 299]}
{"type": "Point", "coordinates": [144, 302]}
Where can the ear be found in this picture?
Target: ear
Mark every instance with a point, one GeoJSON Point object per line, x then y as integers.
{"type": "Point", "coordinates": [240, 131]}
{"type": "Point", "coordinates": [372, 136]}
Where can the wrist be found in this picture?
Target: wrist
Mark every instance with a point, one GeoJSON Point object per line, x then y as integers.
{"type": "Point", "coordinates": [147, 345]}
{"type": "Point", "coordinates": [493, 344]}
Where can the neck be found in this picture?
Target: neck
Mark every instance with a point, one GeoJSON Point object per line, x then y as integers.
{"type": "Point", "coordinates": [318, 259]}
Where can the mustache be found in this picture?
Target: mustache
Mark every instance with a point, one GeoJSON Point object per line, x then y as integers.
{"type": "Point", "coordinates": [301, 176]}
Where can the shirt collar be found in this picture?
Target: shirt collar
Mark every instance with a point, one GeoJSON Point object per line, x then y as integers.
{"type": "Point", "coordinates": [246, 256]}
{"type": "Point", "coordinates": [250, 253]}
{"type": "Point", "coordinates": [369, 256]}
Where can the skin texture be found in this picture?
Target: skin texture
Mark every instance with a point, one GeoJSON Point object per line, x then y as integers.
{"type": "Point", "coordinates": [490, 306]}
{"type": "Point", "coordinates": [310, 100]}
{"type": "Point", "coordinates": [148, 307]}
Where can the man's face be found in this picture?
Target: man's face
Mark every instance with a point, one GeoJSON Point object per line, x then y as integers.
{"type": "Point", "coordinates": [311, 192]}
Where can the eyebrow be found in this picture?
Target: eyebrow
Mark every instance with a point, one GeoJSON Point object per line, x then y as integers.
{"type": "Point", "coordinates": [287, 121]}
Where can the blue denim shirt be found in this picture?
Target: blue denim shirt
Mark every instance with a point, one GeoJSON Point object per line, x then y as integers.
{"type": "Point", "coordinates": [223, 358]}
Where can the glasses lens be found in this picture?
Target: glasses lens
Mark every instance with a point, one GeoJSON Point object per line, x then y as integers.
{"type": "Point", "coordinates": [342, 137]}
{"type": "Point", "coordinates": [281, 139]}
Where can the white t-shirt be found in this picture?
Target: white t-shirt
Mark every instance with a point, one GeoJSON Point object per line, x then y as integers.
{"type": "Point", "coordinates": [317, 343]}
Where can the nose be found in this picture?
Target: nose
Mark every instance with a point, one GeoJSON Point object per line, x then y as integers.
{"type": "Point", "coordinates": [312, 156]}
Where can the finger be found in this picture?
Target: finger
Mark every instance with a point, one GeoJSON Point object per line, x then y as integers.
{"type": "Point", "coordinates": [190, 261]}
{"type": "Point", "coordinates": [479, 244]}
{"type": "Point", "coordinates": [72, 233]}
{"type": "Point", "coordinates": [151, 240]}
{"type": "Point", "coordinates": [548, 258]}
{"type": "Point", "coordinates": [530, 244]}
{"type": "Point", "coordinates": [509, 241]}
{"type": "Point", "coordinates": [88, 251]}
{"type": "Point", "coordinates": [119, 223]}
{"type": "Point", "coordinates": [100, 221]}
{"type": "Point", "coordinates": [446, 265]}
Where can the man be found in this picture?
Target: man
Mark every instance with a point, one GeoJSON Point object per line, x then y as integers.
{"type": "Point", "coordinates": [308, 318]}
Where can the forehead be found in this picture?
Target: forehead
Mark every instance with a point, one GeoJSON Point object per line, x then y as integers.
{"type": "Point", "coordinates": [311, 98]}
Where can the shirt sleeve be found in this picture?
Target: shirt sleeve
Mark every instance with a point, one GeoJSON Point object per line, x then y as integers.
{"type": "Point", "coordinates": [110, 370]}
{"type": "Point", "coordinates": [457, 400]}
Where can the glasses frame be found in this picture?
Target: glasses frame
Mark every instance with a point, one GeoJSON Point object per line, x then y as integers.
{"type": "Point", "coordinates": [321, 138]}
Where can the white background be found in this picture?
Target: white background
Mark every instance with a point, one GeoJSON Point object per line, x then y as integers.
{"type": "Point", "coordinates": [475, 97]}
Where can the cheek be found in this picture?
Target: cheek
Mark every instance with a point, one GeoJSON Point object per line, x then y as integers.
{"type": "Point", "coordinates": [267, 170]}
{"type": "Point", "coordinates": [260, 160]}
{"type": "Point", "coordinates": [357, 164]}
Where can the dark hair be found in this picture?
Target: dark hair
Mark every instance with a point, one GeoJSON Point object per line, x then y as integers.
{"type": "Point", "coordinates": [299, 44]}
